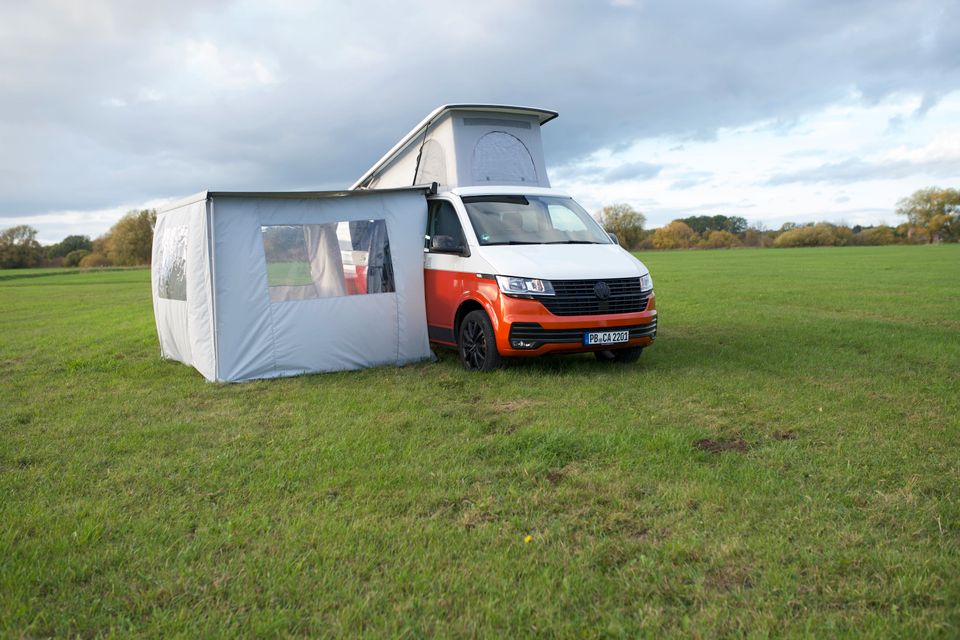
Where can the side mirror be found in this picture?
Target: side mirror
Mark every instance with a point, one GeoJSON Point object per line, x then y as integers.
{"type": "Point", "coordinates": [614, 237]}
{"type": "Point", "coordinates": [446, 244]}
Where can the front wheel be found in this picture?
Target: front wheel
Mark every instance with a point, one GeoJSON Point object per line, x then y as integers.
{"type": "Point", "coordinates": [478, 344]}
{"type": "Point", "coordinates": [619, 355]}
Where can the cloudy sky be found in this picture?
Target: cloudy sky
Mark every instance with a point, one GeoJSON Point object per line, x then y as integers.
{"type": "Point", "coordinates": [773, 110]}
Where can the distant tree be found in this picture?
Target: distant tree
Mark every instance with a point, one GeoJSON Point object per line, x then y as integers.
{"type": "Point", "coordinates": [19, 247]}
{"type": "Point", "coordinates": [624, 221]}
{"type": "Point", "coordinates": [130, 241]}
{"type": "Point", "coordinates": [68, 244]}
{"type": "Point", "coordinates": [936, 211]}
{"type": "Point", "coordinates": [719, 240]}
{"type": "Point", "coordinates": [676, 235]}
{"type": "Point", "coordinates": [704, 224]}
{"type": "Point", "coordinates": [789, 226]}
{"type": "Point", "coordinates": [285, 243]}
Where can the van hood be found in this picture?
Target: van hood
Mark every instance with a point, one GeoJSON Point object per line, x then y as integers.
{"type": "Point", "coordinates": [563, 261]}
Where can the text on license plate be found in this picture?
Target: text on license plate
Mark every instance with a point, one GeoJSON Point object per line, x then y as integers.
{"type": "Point", "coordinates": [605, 337]}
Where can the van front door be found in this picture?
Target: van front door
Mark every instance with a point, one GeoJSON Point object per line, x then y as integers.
{"type": "Point", "coordinates": [446, 249]}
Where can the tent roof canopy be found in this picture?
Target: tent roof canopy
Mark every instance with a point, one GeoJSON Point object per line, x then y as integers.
{"type": "Point", "coordinates": [282, 195]}
{"type": "Point", "coordinates": [543, 116]}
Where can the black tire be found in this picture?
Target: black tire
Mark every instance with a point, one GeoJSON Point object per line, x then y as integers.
{"type": "Point", "coordinates": [477, 343]}
{"type": "Point", "coordinates": [625, 356]}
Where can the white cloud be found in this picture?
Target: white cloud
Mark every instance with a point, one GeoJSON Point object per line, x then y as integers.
{"type": "Point", "coordinates": [222, 68]}
{"type": "Point", "coordinates": [841, 163]}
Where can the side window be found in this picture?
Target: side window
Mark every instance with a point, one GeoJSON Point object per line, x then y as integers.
{"type": "Point", "coordinates": [172, 263]}
{"type": "Point", "coordinates": [306, 261]}
{"type": "Point", "coordinates": [442, 220]}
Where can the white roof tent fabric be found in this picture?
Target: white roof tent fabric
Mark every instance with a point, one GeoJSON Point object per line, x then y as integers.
{"type": "Point", "coordinates": [261, 285]}
{"type": "Point", "coordinates": [462, 145]}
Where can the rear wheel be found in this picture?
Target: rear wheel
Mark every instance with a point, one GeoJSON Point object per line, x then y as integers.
{"type": "Point", "coordinates": [619, 355]}
{"type": "Point", "coordinates": [477, 343]}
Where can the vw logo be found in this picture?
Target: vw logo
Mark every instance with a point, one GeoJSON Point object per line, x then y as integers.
{"type": "Point", "coordinates": [601, 290]}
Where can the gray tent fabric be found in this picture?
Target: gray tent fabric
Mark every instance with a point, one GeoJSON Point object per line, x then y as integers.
{"type": "Point", "coordinates": [343, 288]}
{"type": "Point", "coordinates": [463, 145]}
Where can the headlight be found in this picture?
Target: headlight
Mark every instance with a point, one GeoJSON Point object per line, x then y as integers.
{"type": "Point", "coordinates": [525, 286]}
{"type": "Point", "coordinates": [646, 282]}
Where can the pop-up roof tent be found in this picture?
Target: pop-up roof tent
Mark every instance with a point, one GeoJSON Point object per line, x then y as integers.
{"type": "Point", "coordinates": [260, 285]}
{"type": "Point", "coordinates": [462, 145]}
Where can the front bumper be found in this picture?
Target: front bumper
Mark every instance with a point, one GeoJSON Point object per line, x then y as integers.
{"type": "Point", "coordinates": [530, 322]}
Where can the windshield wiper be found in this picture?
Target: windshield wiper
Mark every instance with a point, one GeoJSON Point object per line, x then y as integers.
{"type": "Point", "coordinates": [572, 242]}
{"type": "Point", "coordinates": [490, 244]}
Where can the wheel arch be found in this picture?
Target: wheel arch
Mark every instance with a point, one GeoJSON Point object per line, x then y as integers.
{"type": "Point", "coordinates": [465, 307]}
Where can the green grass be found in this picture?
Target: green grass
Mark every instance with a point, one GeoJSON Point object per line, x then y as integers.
{"type": "Point", "coordinates": [139, 500]}
{"type": "Point", "coordinates": [288, 273]}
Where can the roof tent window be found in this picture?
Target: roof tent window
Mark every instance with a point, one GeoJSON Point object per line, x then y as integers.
{"type": "Point", "coordinates": [311, 261]}
{"type": "Point", "coordinates": [500, 157]}
{"type": "Point", "coordinates": [172, 263]}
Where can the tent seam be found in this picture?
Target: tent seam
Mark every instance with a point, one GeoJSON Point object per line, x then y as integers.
{"type": "Point", "coordinates": [270, 302]}
{"type": "Point", "coordinates": [396, 296]}
{"type": "Point", "coordinates": [212, 272]}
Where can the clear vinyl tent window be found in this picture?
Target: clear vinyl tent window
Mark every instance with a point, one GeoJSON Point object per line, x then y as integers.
{"type": "Point", "coordinates": [308, 261]}
{"type": "Point", "coordinates": [172, 263]}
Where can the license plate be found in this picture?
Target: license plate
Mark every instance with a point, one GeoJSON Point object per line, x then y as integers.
{"type": "Point", "coordinates": [591, 338]}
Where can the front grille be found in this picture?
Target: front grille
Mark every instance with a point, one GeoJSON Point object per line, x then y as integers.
{"type": "Point", "coordinates": [577, 297]}
{"type": "Point", "coordinates": [533, 332]}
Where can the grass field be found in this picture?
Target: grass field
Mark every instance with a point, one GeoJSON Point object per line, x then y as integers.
{"type": "Point", "coordinates": [785, 460]}
{"type": "Point", "coordinates": [288, 273]}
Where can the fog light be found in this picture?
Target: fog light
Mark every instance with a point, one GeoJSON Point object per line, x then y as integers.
{"type": "Point", "coordinates": [522, 344]}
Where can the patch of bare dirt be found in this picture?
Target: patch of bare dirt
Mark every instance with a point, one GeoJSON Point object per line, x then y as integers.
{"type": "Point", "coordinates": [554, 476]}
{"type": "Point", "coordinates": [785, 435]}
{"type": "Point", "coordinates": [721, 445]}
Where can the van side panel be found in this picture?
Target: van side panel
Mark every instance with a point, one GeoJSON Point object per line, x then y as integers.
{"type": "Point", "coordinates": [447, 290]}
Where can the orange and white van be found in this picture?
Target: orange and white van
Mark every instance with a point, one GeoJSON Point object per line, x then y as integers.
{"type": "Point", "coordinates": [512, 267]}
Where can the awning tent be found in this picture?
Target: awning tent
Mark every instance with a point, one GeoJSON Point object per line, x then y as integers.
{"type": "Point", "coordinates": [261, 285]}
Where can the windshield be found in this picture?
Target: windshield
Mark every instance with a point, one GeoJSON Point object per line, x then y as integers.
{"type": "Point", "coordinates": [532, 220]}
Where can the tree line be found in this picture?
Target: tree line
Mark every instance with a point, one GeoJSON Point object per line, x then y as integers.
{"type": "Point", "coordinates": [128, 243]}
{"type": "Point", "coordinates": [932, 215]}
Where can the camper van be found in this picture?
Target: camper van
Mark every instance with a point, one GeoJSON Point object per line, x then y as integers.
{"type": "Point", "coordinates": [512, 267]}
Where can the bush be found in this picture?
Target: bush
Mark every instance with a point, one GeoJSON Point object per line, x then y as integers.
{"type": "Point", "coordinates": [757, 238]}
{"type": "Point", "coordinates": [676, 235]}
{"type": "Point", "coordinates": [94, 260]}
{"type": "Point", "coordinates": [821, 234]}
{"type": "Point", "coordinates": [875, 236]}
{"type": "Point", "coordinates": [73, 258]}
{"type": "Point", "coordinates": [720, 240]}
